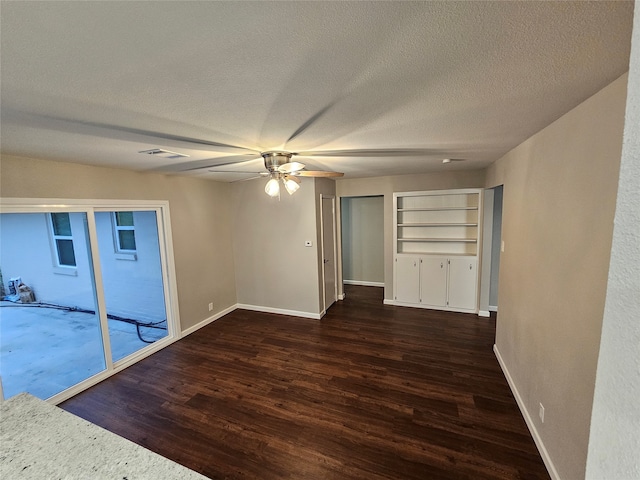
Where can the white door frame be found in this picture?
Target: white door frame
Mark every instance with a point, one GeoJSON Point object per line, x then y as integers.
{"type": "Point", "coordinates": [335, 253]}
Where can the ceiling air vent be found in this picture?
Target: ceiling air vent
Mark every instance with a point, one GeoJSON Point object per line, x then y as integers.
{"type": "Point", "coordinates": [159, 152]}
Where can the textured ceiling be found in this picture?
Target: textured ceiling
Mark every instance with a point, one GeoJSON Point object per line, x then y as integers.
{"type": "Point", "coordinates": [96, 82]}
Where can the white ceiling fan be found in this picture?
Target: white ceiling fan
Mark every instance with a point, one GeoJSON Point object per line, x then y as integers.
{"type": "Point", "coordinates": [280, 168]}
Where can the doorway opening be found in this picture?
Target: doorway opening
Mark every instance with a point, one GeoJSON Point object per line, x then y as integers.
{"type": "Point", "coordinates": [491, 249]}
{"type": "Point", "coordinates": [362, 228]}
{"type": "Point", "coordinates": [329, 254]}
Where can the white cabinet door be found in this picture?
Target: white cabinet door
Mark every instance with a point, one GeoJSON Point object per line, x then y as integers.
{"type": "Point", "coordinates": [462, 282]}
{"type": "Point", "coordinates": [433, 281]}
{"type": "Point", "coordinates": [407, 279]}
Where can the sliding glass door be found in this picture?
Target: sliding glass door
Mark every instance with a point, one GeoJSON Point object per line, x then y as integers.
{"type": "Point", "coordinates": [132, 279]}
{"type": "Point", "coordinates": [50, 334]}
{"type": "Point", "coordinates": [85, 291]}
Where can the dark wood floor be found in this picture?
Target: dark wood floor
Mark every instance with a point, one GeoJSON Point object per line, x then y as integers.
{"type": "Point", "coordinates": [368, 392]}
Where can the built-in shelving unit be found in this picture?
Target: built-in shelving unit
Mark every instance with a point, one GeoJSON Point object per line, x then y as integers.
{"type": "Point", "coordinates": [437, 243]}
{"type": "Point", "coordinates": [441, 222]}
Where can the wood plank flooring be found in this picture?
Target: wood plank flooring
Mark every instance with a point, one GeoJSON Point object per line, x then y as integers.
{"type": "Point", "coordinates": [368, 392]}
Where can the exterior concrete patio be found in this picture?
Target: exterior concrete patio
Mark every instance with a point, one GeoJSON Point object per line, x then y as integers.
{"type": "Point", "coordinates": [44, 351]}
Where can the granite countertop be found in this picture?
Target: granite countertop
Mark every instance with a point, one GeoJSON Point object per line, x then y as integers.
{"type": "Point", "coordinates": [40, 441]}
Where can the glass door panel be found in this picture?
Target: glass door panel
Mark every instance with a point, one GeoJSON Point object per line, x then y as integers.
{"type": "Point", "coordinates": [50, 335]}
{"type": "Point", "coordinates": [132, 279]}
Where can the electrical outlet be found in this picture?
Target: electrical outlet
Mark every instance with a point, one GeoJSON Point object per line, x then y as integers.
{"type": "Point", "coordinates": [211, 306]}
{"type": "Point", "coordinates": [541, 413]}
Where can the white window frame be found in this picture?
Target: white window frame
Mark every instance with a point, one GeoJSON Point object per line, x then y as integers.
{"type": "Point", "coordinates": [122, 253]}
{"type": "Point", "coordinates": [58, 266]}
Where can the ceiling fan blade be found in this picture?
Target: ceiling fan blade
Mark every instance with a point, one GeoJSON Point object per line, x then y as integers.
{"type": "Point", "coordinates": [101, 129]}
{"type": "Point", "coordinates": [262, 174]}
{"type": "Point", "coordinates": [176, 138]}
{"type": "Point", "coordinates": [290, 167]}
{"type": "Point", "coordinates": [317, 173]}
{"type": "Point", "coordinates": [382, 152]}
{"type": "Point", "coordinates": [245, 179]}
{"type": "Point", "coordinates": [310, 122]}
{"type": "Point", "coordinates": [202, 164]}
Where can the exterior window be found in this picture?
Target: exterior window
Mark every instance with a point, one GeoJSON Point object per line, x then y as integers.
{"type": "Point", "coordinates": [124, 231]}
{"type": "Point", "coordinates": [63, 240]}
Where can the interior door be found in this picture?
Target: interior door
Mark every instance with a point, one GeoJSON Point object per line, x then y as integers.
{"type": "Point", "coordinates": [329, 251]}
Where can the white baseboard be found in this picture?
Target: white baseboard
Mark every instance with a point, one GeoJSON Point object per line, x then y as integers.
{"type": "Point", "coordinates": [363, 283]}
{"type": "Point", "coordinates": [281, 311]}
{"type": "Point", "coordinates": [527, 418]}
{"type": "Point", "coordinates": [492, 308]}
{"type": "Point", "coordinates": [484, 313]}
{"type": "Point", "coordinates": [207, 321]}
{"type": "Point", "coordinates": [387, 301]}
{"type": "Point", "coordinates": [342, 296]}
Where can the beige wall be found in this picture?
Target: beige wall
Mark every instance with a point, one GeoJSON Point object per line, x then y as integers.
{"type": "Point", "coordinates": [274, 269]}
{"type": "Point", "coordinates": [559, 199]}
{"type": "Point", "coordinates": [200, 220]}
{"type": "Point", "coordinates": [358, 187]}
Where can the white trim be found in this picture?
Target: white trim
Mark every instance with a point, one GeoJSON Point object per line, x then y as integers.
{"type": "Point", "coordinates": [165, 243]}
{"type": "Point", "coordinates": [363, 283]}
{"type": "Point", "coordinates": [335, 253]}
{"type": "Point", "coordinates": [492, 308]}
{"type": "Point", "coordinates": [207, 321]}
{"type": "Point", "coordinates": [386, 301]}
{"type": "Point", "coordinates": [125, 256]}
{"type": "Point", "coordinates": [281, 311]}
{"type": "Point", "coordinates": [455, 191]}
{"type": "Point", "coordinates": [342, 296]}
{"type": "Point", "coordinates": [134, 358]}
{"type": "Point", "coordinates": [553, 473]}
{"type": "Point", "coordinates": [16, 205]}
{"type": "Point", "coordinates": [430, 307]}
{"type": "Point", "coordinates": [117, 367]}
{"type": "Point", "coordinates": [71, 271]}
{"type": "Point", "coordinates": [484, 313]}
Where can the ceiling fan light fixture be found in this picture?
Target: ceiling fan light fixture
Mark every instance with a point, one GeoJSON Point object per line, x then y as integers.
{"type": "Point", "coordinates": [272, 188]}
{"type": "Point", "coordinates": [291, 184]}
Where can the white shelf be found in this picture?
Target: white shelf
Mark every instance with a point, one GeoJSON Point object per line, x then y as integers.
{"type": "Point", "coordinates": [435, 209]}
{"type": "Point", "coordinates": [438, 222]}
{"type": "Point", "coordinates": [445, 254]}
{"type": "Point", "coordinates": [463, 240]}
{"type": "Point", "coordinates": [437, 225]}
